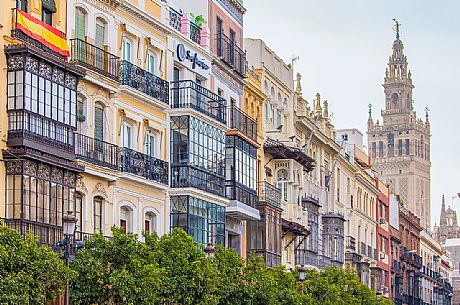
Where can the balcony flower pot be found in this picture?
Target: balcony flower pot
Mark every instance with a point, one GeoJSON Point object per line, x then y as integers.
{"type": "Point", "coordinates": [81, 118]}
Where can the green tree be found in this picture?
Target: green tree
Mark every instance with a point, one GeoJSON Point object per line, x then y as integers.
{"type": "Point", "coordinates": [189, 276]}
{"type": "Point", "coordinates": [29, 273]}
{"type": "Point", "coordinates": [117, 270]}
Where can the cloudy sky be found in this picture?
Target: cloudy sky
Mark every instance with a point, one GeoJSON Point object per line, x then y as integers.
{"type": "Point", "coordinates": [344, 47]}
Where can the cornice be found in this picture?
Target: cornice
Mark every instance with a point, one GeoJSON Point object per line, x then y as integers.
{"type": "Point", "coordinates": [143, 16]}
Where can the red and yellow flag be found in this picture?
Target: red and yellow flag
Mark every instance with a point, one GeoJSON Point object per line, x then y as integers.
{"type": "Point", "coordinates": [46, 34]}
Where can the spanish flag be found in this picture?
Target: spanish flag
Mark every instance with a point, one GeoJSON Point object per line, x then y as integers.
{"type": "Point", "coordinates": [46, 34]}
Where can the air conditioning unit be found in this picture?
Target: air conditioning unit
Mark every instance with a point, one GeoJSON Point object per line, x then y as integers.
{"type": "Point", "coordinates": [382, 255]}
{"type": "Point", "coordinates": [382, 221]}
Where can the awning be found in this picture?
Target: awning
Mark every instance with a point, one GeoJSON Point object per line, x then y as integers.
{"type": "Point", "coordinates": [49, 5]}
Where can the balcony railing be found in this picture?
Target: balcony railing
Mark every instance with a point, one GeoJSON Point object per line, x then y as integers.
{"type": "Point", "coordinates": [232, 55]}
{"type": "Point", "coordinates": [96, 151]}
{"type": "Point", "coordinates": [241, 121]}
{"type": "Point", "coordinates": [24, 124]}
{"type": "Point", "coordinates": [174, 19]}
{"type": "Point", "coordinates": [188, 94]}
{"type": "Point", "coordinates": [234, 191]}
{"type": "Point", "coordinates": [92, 57]}
{"type": "Point", "coordinates": [190, 176]}
{"type": "Point", "coordinates": [144, 81]}
{"type": "Point", "coordinates": [271, 259]}
{"type": "Point", "coordinates": [195, 32]}
{"type": "Point", "coordinates": [351, 243]}
{"type": "Point", "coordinates": [139, 164]}
{"type": "Point", "coordinates": [269, 194]}
{"type": "Point", "coordinates": [47, 234]}
{"type": "Point", "coordinates": [363, 248]}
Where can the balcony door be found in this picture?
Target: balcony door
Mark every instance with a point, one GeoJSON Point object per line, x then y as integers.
{"type": "Point", "coordinates": [220, 32]}
{"type": "Point", "coordinates": [80, 34]}
{"type": "Point", "coordinates": [176, 78]}
{"type": "Point", "coordinates": [232, 47]}
{"type": "Point", "coordinates": [99, 131]}
{"type": "Point", "coordinates": [99, 57]}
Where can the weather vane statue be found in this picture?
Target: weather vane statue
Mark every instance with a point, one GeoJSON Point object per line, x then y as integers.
{"type": "Point", "coordinates": [396, 28]}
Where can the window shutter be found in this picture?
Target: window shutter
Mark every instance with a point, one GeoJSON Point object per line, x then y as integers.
{"type": "Point", "coordinates": [100, 35]}
{"type": "Point", "coordinates": [80, 17]}
{"type": "Point", "coordinates": [99, 123]}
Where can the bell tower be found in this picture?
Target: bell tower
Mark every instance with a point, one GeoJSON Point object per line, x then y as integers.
{"type": "Point", "coordinates": [400, 146]}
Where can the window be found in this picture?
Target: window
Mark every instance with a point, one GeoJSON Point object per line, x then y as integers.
{"type": "Point", "coordinates": [407, 147]}
{"type": "Point", "coordinates": [380, 149]}
{"type": "Point", "coordinates": [22, 5]}
{"type": "Point", "coordinates": [391, 144]}
{"type": "Point", "coordinates": [126, 50]}
{"type": "Point", "coordinates": [203, 220]}
{"type": "Point", "coordinates": [125, 219]}
{"type": "Point", "coordinates": [126, 135]}
{"type": "Point", "coordinates": [149, 144]}
{"type": "Point", "coordinates": [232, 46]}
{"type": "Point", "coordinates": [47, 16]}
{"type": "Point", "coordinates": [79, 211]}
{"type": "Point", "coordinates": [100, 33]}
{"type": "Point", "coordinates": [149, 223]}
{"type": "Point", "coordinates": [97, 213]}
{"type": "Point", "coordinates": [81, 101]}
{"type": "Point", "coordinates": [80, 24]}
{"type": "Point", "coordinates": [282, 183]}
{"type": "Point", "coordinates": [400, 147]}
{"type": "Point", "coordinates": [220, 38]}
{"type": "Point", "coordinates": [241, 162]}
{"type": "Point", "coordinates": [99, 121]}
{"type": "Point", "coordinates": [374, 150]}
{"type": "Point", "coordinates": [339, 178]}
{"type": "Point", "coordinates": [150, 63]}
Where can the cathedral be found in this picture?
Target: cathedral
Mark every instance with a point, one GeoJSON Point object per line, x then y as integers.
{"type": "Point", "coordinates": [399, 146]}
{"type": "Point", "coordinates": [448, 226]}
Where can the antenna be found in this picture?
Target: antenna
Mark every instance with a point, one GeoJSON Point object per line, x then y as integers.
{"type": "Point", "coordinates": [293, 60]}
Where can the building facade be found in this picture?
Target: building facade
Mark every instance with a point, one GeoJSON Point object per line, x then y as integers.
{"type": "Point", "coordinates": [448, 225]}
{"type": "Point", "coordinates": [431, 253]}
{"type": "Point", "coordinates": [400, 146]}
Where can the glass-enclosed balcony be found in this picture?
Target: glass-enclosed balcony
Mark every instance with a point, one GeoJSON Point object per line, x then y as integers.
{"type": "Point", "coordinates": [188, 94]}
{"type": "Point", "coordinates": [97, 59]}
{"type": "Point", "coordinates": [144, 81]}
{"type": "Point", "coordinates": [96, 151]}
{"type": "Point", "coordinates": [143, 165]}
{"type": "Point", "coordinates": [230, 53]}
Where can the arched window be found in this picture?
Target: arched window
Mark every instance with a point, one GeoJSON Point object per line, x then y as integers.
{"type": "Point", "coordinates": [126, 224]}
{"type": "Point", "coordinates": [99, 121]}
{"type": "Point", "coordinates": [79, 211]}
{"type": "Point", "coordinates": [98, 207]}
{"type": "Point", "coordinates": [80, 23]}
{"type": "Point", "coordinates": [81, 114]}
{"type": "Point", "coordinates": [282, 183]}
{"type": "Point", "coordinates": [100, 41]}
{"type": "Point", "coordinates": [150, 222]}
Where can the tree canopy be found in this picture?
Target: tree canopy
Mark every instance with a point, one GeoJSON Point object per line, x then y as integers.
{"type": "Point", "coordinates": [29, 273]}
{"type": "Point", "coordinates": [167, 270]}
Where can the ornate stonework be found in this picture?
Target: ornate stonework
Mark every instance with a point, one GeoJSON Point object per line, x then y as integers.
{"type": "Point", "coordinates": [400, 147]}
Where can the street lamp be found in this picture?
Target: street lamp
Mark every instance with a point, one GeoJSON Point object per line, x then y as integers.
{"type": "Point", "coordinates": [69, 223]}
{"type": "Point", "coordinates": [302, 273]}
{"type": "Point", "coordinates": [209, 250]}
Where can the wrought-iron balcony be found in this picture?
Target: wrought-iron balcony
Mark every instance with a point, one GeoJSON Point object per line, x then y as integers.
{"type": "Point", "coordinates": [195, 32]}
{"type": "Point", "coordinates": [271, 259]}
{"type": "Point", "coordinates": [174, 19]}
{"type": "Point", "coordinates": [230, 53]}
{"type": "Point", "coordinates": [279, 150]}
{"type": "Point", "coordinates": [242, 122]}
{"type": "Point", "coordinates": [47, 234]}
{"type": "Point", "coordinates": [188, 94]}
{"type": "Point", "coordinates": [363, 248]}
{"type": "Point", "coordinates": [139, 164]}
{"type": "Point", "coordinates": [238, 192]}
{"type": "Point", "coordinates": [269, 195]}
{"type": "Point", "coordinates": [97, 59]}
{"type": "Point", "coordinates": [351, 243]}
{"type": "Point", "coordinates": [96, 151]}
{"type": "Point", "coordinates": [192, 176]}
{"type": "Point", "coordinates": [29, 129]}
{"type": "Point", "coordinates": [144, 81]}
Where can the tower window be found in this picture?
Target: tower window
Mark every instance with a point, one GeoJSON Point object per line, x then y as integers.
{"type": "Point", "coordinates": [380, 149]}
{"type": "Point", "coordinates": [407, 147]}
